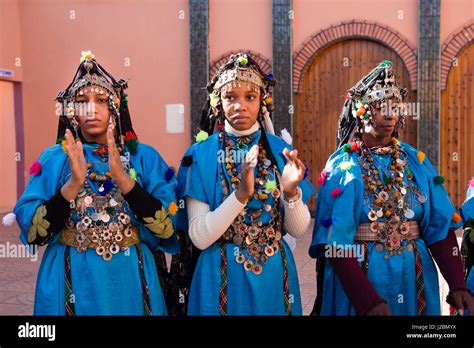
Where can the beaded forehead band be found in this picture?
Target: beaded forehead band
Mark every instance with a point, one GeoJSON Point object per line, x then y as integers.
{"type": "Point", "coordinates": [239, 74]}
{"type": "Point", "coordinates": [98, 85]}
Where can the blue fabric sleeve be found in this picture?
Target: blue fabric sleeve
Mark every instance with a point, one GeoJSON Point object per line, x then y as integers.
{"type": "Point", "coordinates": [41, 188]}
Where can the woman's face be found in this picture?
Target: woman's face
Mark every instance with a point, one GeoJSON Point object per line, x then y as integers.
{"type": "Point", "coordinates": [241, 106]}
{"type": "Point", "coordinates": [386, 121]}
{"type": "Point", "coordinates": [93, 115]}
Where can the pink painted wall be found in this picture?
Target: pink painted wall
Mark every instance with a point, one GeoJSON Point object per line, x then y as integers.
{"type": "Point", "coordinates": [10, 37]}
{"type": "Point", "coordinates": [7, 147]}
{"type": "Point", "coordinates": [154, 36]}
{"type": "Point", "coordinates": [150, 33]}
{"type": "Point", "coordinates": [455, 14]}
{"type": "Point", "coordinates": [240, 24]}
{"type": "Point", "coordinates": [311, 16]}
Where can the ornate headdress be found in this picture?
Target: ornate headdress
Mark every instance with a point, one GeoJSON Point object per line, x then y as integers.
{"type": "Point", "coordinates": [92, 77]}
{"type": "Point", "coordinates": [376, 87]}
{"type": "Point", "coordinates": [240, 68]}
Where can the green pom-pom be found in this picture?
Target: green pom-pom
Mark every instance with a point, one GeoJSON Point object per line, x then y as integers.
{"type": "Point", "coordinates": [124, 101]}
{"type": "Point", "coordinates": [201, 136]}
{"type": "Point", "coordinates": [270, 185]}
{"type": "Point", "coordinates": [243, 60]}
{"type": "Point", "coordinates": [132, 145]}
{"type": "Point", "coordinates": [385, 63]}
{"type": "Point", "coordinates": [439, 179]}
{"type": "Point", "coordinates": [346, 148]}
{"type": "Point", "coordinates": [133, 174]}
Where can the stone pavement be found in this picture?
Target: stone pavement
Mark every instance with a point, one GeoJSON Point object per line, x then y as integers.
{"type": "Point", "coordinates": [18, 275]}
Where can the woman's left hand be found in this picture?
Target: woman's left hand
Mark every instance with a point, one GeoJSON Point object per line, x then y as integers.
{"type": "Point", "coordinates": [123, 180]}
{"type": "Point", "coordinates": [462, 300]}
{"type": "Point", "coordinates": [293, 173]}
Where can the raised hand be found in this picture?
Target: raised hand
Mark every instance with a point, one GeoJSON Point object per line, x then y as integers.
{"type": "Point", "coordinates": [247, 184]}
{"type": "Point", "coordinates": [293, 173]}
{"type": "Point", "coordinates": [77, 162]}
{"type": "Point", "coordinates": [123, 180]}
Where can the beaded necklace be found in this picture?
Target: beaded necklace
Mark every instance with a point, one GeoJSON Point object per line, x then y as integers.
{"type": "Point", "coordinates": [390, 199]}
{"type": "Point", "coordinates": [261, 241]}
{"type": "Point", "coordinates": [100, 215]}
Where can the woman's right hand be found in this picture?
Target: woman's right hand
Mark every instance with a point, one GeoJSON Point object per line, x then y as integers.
{"type": "Point", "coordinates": [247, 183]}
{"type": "Point", "coordinates": [75, 154]}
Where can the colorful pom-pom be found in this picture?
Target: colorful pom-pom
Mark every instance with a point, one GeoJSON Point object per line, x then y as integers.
{"type": "Point", "coordinates": [169, 174]}
{"type": "Point", "coordinates": [421, 156]}
{"type": "Point", "coordinates": [214, 99]}
{"type": "Point", "coordinates": [456, 218]}
{"type": "Point", "coordinates": [322, 178]}
{"type": "Point", "coordinates": [439, 179]}
{"type": "Point", "coordinates": [270, 185]}
{"type": "Point", "coordinates": [346, 148]}
{"type": "Point", "coordinates": [9, 219]}
{"type": "Point", "coordinates": [172, 208]}
{"type": "Point", "coordinates": [336, 192]}
{"type": "Point", "coordinates": [354, 146]}
{"type": "Point", "coordinates": [201, 136]}
{"type": "Point", "coordinates": [243, 60]}
{"type": "Point", "coordinates": [35, 168]}
{"type": "Point", "coordinates": [471, 183]}
{"type": "Point", "coordinates": [133, 174]}
{"type": "Point", "coordinates": [130, 135]}
{"type": "Point", "coordinates": [326, 222]}
{"type": "Point", "coordinates": [306, 170]}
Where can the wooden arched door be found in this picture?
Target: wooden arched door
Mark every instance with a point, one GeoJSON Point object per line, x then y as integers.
{"type": "Point", "coordinates": [457, 122]}
{"type": "Point", "coordinates": [332, 72]}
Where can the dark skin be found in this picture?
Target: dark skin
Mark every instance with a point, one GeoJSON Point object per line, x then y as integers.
{"type": "Point", "coordinates": [382, 130]}
{"type": "Point", "coordinates": [241, 108]}
{"type": "Point", "coordinates": [380, 136]}
{"type": "Point", "coordinates": [96, 128]}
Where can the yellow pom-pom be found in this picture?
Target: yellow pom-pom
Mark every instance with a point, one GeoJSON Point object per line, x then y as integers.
{"type": "Point", "coordinates": [421, 156]}
{"type": "Point", "coordinates": [213, 99]}
{"type": "Point", "coordinates": [201, 136]}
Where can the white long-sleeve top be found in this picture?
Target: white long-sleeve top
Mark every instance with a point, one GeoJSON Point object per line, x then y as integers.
{"type": "Point", "coordinates": [206, 227]}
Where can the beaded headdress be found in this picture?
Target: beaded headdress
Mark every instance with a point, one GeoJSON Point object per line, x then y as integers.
{"type": "Point", "coordinates": [92, 77]}
{"type": "Point", "coordinates": [377, 87]}
{"type": "Point", "coordinates": [240, 68]}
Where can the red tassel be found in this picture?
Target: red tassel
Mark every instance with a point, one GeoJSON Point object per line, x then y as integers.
{"type": "Point", "coordinates": [35, 168]}
{"type": "Point", "coordinates": [130, 135]}
{"type": "Point", "coordinates": [336, 192]}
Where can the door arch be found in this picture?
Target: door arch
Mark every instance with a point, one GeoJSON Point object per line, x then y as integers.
{"type": "Point", "coordinates": [323, 89]}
